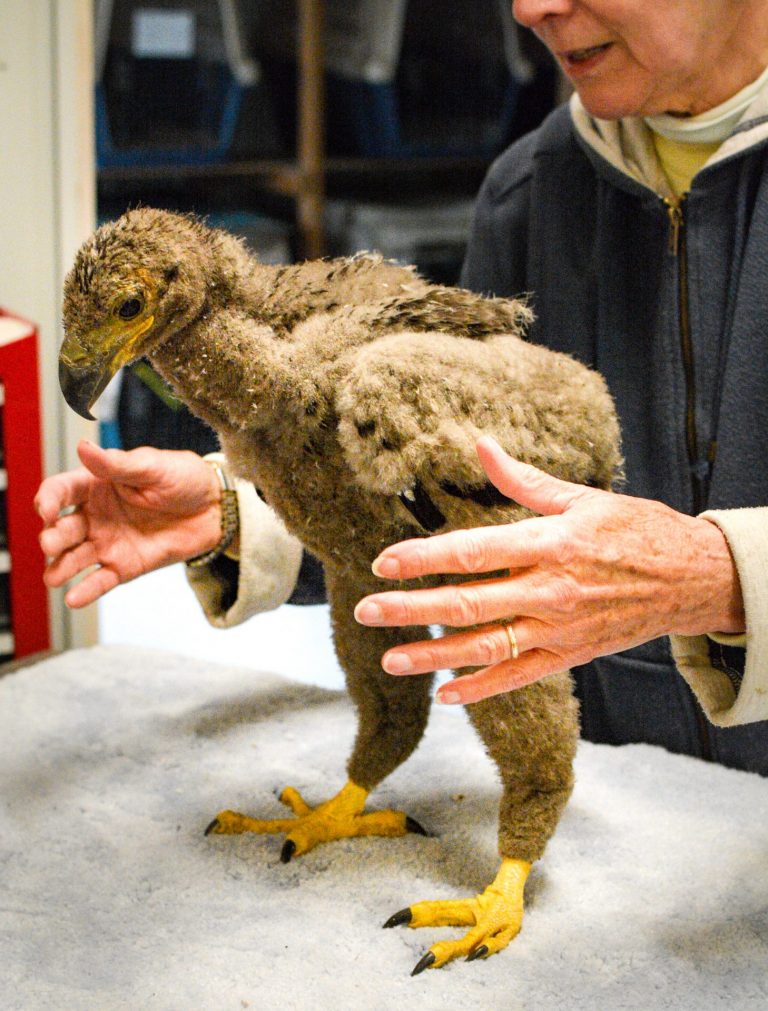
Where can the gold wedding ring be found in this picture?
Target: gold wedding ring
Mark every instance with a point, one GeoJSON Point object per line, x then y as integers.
{"type": "Point", "coordinates": [514, 649]}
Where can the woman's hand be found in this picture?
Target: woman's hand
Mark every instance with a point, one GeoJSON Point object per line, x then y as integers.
{"type": "Point", "coordinates": [595, 573]}
{"type": "Point", "coordinates": [126, 513]}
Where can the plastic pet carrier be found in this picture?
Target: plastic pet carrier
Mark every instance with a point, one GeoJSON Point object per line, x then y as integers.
{"type": "Point", "coordinates": [412, 77]}
{"type": "Point", "coordinates": [172, 82]}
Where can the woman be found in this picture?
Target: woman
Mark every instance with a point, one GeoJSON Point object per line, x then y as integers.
{"type": "Point", "coordinates": [636, 216]}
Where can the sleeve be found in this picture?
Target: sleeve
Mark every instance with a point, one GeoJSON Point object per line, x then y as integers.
{"type": "Point", "coordinates": [265, 575]}
{"type": "Point", "coordinates": [728, 698]}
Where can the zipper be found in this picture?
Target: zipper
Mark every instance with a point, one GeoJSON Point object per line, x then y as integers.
{"type": "Point", "coordinates": [676, 220]}
{"type": "Point", "coordinates": [700, 467]}
{"type": "Point", "coordinates": [700, 464]}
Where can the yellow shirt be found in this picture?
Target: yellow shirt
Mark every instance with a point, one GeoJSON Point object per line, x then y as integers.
{"type": "Point", "coordinates": [681, 161]}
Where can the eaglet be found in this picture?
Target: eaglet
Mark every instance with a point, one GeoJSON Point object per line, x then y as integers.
{"type": "Point", "coordinates": [352, 393]}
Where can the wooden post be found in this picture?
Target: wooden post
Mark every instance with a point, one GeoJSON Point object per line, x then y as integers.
{"type": "Point", "coordinates": [310, 142]}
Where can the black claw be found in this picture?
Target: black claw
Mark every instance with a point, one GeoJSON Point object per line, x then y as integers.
{"type": "Point", "coordinates": [289, 848]}
{"type": "Point", "coordinates": [479, 952]}
{"type": "Point", "coordinates": [411, 825]}
{"type": "Point", "coordinates": [486, 495]}
{"type": "Point", "coordinates": [425, 963]}
{"type": "Point", "coordinates": [398, 919]}
{"type": "Point", "coordinates": [421, 507]}
{"type": "Point", "coordinates": [214, 824]}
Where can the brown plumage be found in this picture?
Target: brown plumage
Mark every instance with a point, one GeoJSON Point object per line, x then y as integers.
{"type": "Point", "coordinates": [352, 393]}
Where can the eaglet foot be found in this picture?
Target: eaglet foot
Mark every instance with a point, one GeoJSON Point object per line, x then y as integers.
{"type": "Point", "coordinates": [341, 817]}
{"type": "Point", "coordinates": [495, 917]}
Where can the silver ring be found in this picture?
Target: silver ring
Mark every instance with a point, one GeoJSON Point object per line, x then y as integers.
{"type": "Point", "coordinates": [514, 648]}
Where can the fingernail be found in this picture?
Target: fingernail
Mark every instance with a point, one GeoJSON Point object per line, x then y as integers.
{"type": "Point", "coordinates": [368, 613]}
{"type": "Point", "coordinates": [387, 568]}
{"type": "Point", "coordinates": [397, 663]}
{"type": "Point", "coordinates": [448, 698]}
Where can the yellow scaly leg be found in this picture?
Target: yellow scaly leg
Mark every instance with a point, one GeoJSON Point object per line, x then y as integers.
{"type": "Point", "coordinates": [495, 916]}
{"type": "Point", "coordinates": [341, 817]}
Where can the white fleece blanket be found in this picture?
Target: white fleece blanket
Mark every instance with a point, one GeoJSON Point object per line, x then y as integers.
{"type": "Point", "coordinates": [653, 893]}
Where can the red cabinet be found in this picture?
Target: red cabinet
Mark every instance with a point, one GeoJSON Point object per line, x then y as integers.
{"type": "Point", "coordinates": [24, 623]}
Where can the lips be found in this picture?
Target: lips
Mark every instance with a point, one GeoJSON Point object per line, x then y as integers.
{"type": "Point", "coordinates": [578, 57]}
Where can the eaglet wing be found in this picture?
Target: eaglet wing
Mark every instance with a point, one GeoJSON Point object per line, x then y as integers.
{"type": "Point", "coordinates": [412, 406]}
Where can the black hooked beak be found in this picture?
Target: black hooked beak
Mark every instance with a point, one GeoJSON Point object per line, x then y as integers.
{"type": "Point", "coordinates": [82, 385]}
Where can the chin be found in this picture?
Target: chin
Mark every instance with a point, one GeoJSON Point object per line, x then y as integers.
{"type": "Point", "coordinates": [625, 92]}
{"type": "Point", "coordinates": [603, 106]}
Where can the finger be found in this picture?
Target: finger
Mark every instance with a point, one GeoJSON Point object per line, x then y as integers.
{"type": "Point", "coordinates": [501, 677]}
{"type": "Point", "coordinates": [62, 492]}
{"type": "Point", "coordinates": [135, 467]}
{"type": "Point", "coordinates": [481, 549]}
{"type": "Point", "coordinates": [482, 647]}
{"type": "Point", "coordinates": [70, 564]}
{"type": "Point", "coordinates": [92, 456]}
{"type": "Point", "coordinates": [67, 532]}
{"type": "Point", "coordinates": [92, 586]}
{"type": "Point", "coordinates": [457, 606]}
{"type": "Point", "coordinates": [527, 485]}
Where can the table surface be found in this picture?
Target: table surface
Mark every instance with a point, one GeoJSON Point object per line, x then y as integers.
{"type": "Point", "coordinates": [653, 893]}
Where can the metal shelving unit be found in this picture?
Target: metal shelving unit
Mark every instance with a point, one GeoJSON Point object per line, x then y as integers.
{"type": "Point", "coordinates": [307, 177]}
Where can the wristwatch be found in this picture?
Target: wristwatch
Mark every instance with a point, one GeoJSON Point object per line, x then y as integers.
{"type": "Point", "coordinates": [230, 519]}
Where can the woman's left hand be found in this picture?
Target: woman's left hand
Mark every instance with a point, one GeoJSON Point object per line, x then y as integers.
{"type": "Point", "coordinates": [595, 573]}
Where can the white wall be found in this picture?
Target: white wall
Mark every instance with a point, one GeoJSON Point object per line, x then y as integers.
{"type": "Point", "coordinates": [47, 202]}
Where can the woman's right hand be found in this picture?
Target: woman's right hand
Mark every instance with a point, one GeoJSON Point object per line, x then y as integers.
{"type": "Point", "coordinates": [123, 514]}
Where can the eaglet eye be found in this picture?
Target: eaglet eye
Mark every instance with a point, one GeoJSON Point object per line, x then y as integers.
{"type": "Point", "coordinates": [130, 308]}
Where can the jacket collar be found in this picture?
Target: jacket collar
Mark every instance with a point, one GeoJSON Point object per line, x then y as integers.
{"type": "Point", "coordinates": [627, 144]}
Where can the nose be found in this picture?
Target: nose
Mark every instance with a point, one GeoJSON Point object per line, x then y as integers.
{"type": "Point", "coordinates": [531, 13]}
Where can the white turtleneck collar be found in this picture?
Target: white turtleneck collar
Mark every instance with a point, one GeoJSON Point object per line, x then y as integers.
{"type": "Point", "coordinates": [710, 127]}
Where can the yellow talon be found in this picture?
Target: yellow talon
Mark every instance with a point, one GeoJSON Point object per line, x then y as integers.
{"type": "Point", "coordinates": [495, 917]}
{"type": "Point", "coordinates": [341, 817]}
